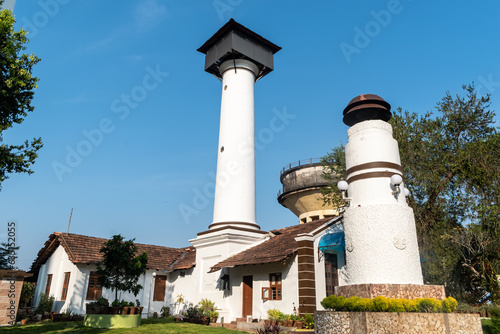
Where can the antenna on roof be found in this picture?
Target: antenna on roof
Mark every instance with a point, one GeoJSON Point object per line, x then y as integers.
{"type": "Point", "coordinates": [69, 223]}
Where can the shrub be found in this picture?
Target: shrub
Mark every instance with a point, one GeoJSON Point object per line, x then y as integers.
{"type": "Point", "coordinates": [428, 305]}
{"type": "Point", "coordinates": [335, 303]}
{"type": "Point", "coordinates": [45, 304]}
{"type": "Point", "coordinates": [350, 303]}
{"type": "Point", "coordinates": [274, 314]}
{"type": "Point", "coordinates": [380, 304]}
{"type": "Point", "coordinates": [309, 321]}
{"type": "Point", "coordinates": [270, 329]}
{"type": "Point", "coordinates": [102, 302]}
{"type": "Point", "coordinates": [207, 306]}
{"type": "Point", "coordinates": [383, 304]}
{"type": "Point", "coordinates": [411, 305]}
{"type": "Point", "coordinates": [193, 312]}
{"type": "Point", "coordinates": [364, 304]}
{"type": "Point", "coordinates": [448, 305]}
{"type": "Point", "coordinates": [396, 305]}
{"type": "Point", "coordinates": [495, 320]}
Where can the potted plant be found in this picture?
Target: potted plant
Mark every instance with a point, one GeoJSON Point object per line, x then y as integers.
{"type": "Point", "coordinates": [115, 307]}
{"type": "Point", "coordinates": [299, 323]}
{"type": "Point", "coordinates": [274, 315]}
{"type": "Point", "coordinates": [282, 319]}
{"type": "Point", "coordinates": [132, 308]}
{"type": "Point", "coordinates": [213, 315]}
{"type": "Point", "coordinates": [124, 307]}
{"type": "Point", "coordinates": [178, 301]}
{"type": "Point", "coordinates": [90, 308]}
{"type": "Point", "coordinates": [24, 319]}
{"type": "Point", "coordinates": [289, 320]}
{"type": "Point", "coordinates": [102, 306]}
{"type": "Point", "coordinates": [165, 311]}
{"type": "Point", "coordinates": [138, 306]}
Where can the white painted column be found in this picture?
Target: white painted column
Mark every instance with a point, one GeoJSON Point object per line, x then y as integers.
{"type": "Point", "coordinates": [381, 238]}
{"type": "Point", "coordinates": [235, 184]}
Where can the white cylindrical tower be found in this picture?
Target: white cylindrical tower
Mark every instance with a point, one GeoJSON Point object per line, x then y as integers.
{"type": "Point", "coordinates": [380, 233]}
{"type": "Point", "coordinates": [239, 57]}
{"type": "Point", "coordinates": [235, 184]}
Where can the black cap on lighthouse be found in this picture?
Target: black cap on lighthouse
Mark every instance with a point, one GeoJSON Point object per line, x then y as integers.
{"type": "Point", "coordinates": [366, 107]}
{"type": "Point", "coordinates": [234, 41]}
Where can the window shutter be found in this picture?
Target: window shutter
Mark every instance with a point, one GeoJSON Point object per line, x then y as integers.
{"type": "Point", "coordinates": [64, 292]}
{"type": "Point", "coordinates": [160, 285]}
{"type": "Point", "coordinates": [47, 286]}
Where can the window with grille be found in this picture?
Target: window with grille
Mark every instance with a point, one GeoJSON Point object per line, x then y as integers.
{"type": "Point", "coordinates": [274, 291]}
{"type": "Point", "coordinates": [64, 292]}
{"type": "Point", "coordinates": [94, 290]}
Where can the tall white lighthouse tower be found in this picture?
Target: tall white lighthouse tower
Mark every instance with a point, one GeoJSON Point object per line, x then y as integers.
{"type": "Point", "coordinates": [238, 57]}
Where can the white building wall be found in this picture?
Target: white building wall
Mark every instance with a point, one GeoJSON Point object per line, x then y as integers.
{"type": "Point", "coordinates": [260, 273]}
{"type": "Point", "coordinates": [58, 264]}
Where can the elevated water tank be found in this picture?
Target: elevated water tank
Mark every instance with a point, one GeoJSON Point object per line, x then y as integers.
{"type": "Point", "coordinates": [302, 183]}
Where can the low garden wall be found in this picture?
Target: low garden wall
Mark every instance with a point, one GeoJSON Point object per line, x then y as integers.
{"type": "Point", "coordinates": [112, 320]}
{"type": "Point", "coordinates": [332, 322]}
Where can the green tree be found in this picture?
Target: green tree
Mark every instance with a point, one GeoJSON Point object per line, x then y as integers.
{"type": "Point", "coordinates": [333, 171]}
{"type": "Point", "coordinates": [451, 166]}
{"type": "Point", "coordinates": [17, 86]}
{"type": "Point", "coordinates": [27, 294]}
{"type": "Point", "coordinates": [120, 268]}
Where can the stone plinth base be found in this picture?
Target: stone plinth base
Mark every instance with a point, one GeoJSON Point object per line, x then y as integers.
{"type": "Point", "coordinates": [406, 291]}
{"type": "Point", "coordinates": [401, 323]}
{"type": "Point", "coordinates": [112, 320]}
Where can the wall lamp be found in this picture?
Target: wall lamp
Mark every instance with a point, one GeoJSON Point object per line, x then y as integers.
{"type": "Point", "coordinates": [342, 186]}
{"type": "Point", "coordinates": [396, 180]}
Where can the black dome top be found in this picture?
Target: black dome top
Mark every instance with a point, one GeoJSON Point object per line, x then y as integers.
{"type": "Point", "coordinates": [366, 107]}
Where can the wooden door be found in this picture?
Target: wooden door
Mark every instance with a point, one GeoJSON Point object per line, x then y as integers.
{"type": "Point", "coordinates": [247, 295]}
{"type": "Point", "coordinates": [331, 273]}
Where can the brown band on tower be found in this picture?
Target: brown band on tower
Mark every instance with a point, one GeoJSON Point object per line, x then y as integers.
{"type": "Point", "coordinates": [375, 164]}
{"type": "Point", "coordinates": [234, 228]}
{"type": "Point", "coordinates": [370, 175]}
{"type": "Point", "coordinates": [231, 223]}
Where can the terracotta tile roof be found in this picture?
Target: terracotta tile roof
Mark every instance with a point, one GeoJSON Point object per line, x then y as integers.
{"type": "Point", "coordinates": [83, 249]}
{"type": "Point", "coordinates": [278, 248]}
{"type": "Point", "coordinates": [186, 261]}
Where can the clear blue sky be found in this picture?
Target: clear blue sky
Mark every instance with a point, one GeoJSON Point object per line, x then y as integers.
{"type": "Point", "coordinates": [156, 146]}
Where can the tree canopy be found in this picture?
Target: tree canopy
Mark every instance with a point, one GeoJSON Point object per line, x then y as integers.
{"type": "Point", "coordinates": [451, 164]}
{"type": "Point", "coordinates": [17, 86]}
{"type": "Point", "coordinates": [120, 268]}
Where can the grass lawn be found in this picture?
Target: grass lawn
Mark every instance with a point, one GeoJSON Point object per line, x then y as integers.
{"type": "Point", "coordinates": [147, 326]}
